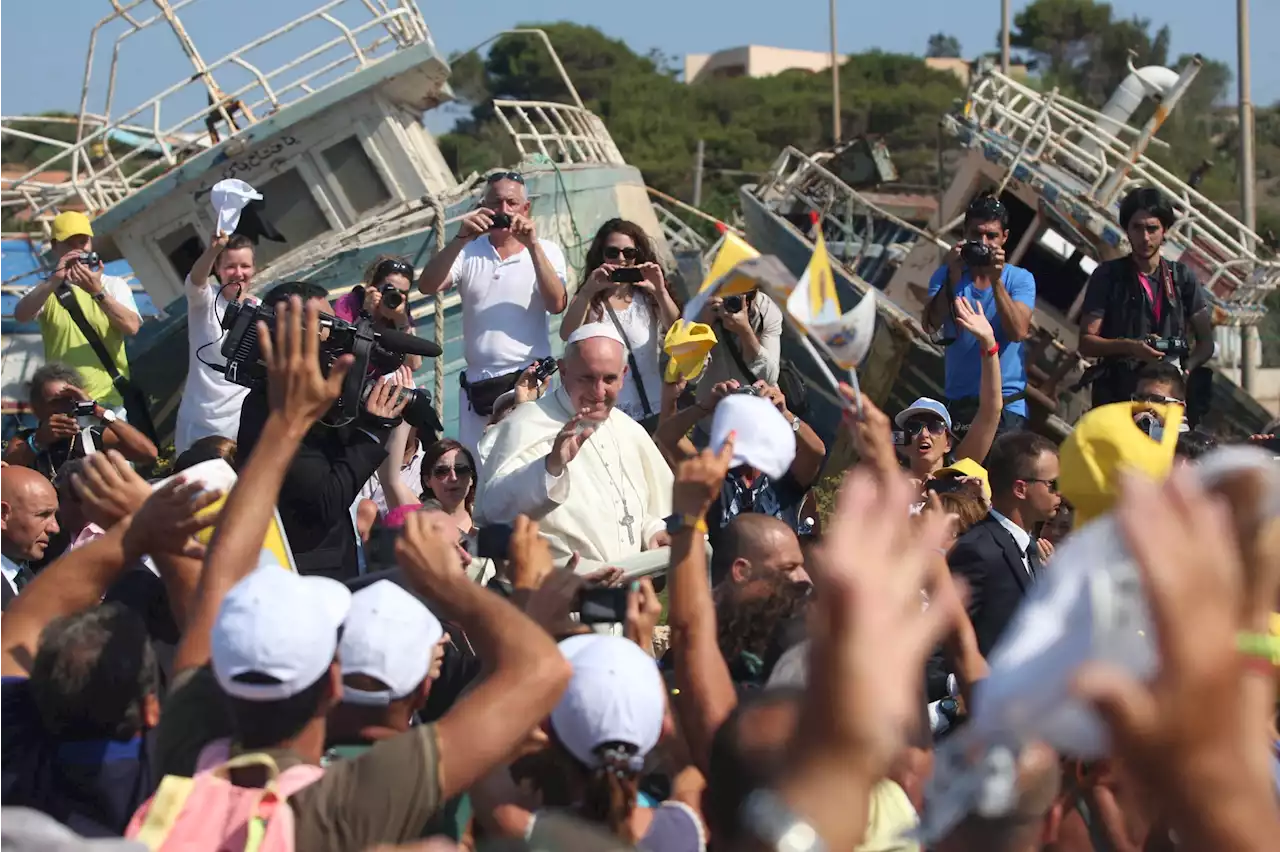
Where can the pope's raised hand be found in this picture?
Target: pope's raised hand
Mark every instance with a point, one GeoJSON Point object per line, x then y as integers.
{"type": "Point", "coordinates": [567, 445]}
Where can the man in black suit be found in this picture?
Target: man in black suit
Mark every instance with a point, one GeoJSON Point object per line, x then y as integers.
{"type": "Point", "coordinates": [997, 557]}
{"type": "Point", "coordinates": [28, 519]}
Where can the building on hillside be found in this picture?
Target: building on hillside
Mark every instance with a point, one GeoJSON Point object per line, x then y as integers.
{"type": "Point", "coordinates": [756, 60]}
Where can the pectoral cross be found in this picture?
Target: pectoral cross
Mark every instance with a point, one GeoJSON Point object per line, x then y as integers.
{"type": "Point", "coordinates": [627, 521]}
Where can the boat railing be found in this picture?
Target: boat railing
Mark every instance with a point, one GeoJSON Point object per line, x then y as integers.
{"type": "Point", "coordinates": [1030, 127]}
{"type": "Point", "coordinates": [149, 140]}
{"type": "Point", "coordinates": [564, 134]}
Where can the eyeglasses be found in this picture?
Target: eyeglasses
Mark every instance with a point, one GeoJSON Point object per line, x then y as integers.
{"type": "Point", "coordinates": [442, 471]}
{"type": "Point", "coordinates": [497, 176]}
{"type": "Point", "coordinates": [916, 426]}
{"type": "Point", "coordinates": [1157, 398]}
{"type": "Point", "coordinates": [985, 206]}
{"type": "Point", "coordinates": [614, 252]}
{"type": "Point", "coordinates": [1051, 484]}
{"type": "Point", "coordinates": [392, 266]}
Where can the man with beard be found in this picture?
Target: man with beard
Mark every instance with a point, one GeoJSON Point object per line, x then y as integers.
{"type": "Point", "coordinates": [589, 473]}
{"type": "Point", "coordinates": [1139, 309]}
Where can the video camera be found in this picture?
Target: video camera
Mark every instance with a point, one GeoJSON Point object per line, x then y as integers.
{"type": "Point", "coordinates": [377, 352]}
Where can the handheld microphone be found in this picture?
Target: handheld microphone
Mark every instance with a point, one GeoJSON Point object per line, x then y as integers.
{"type": "Point", "coordinates": [398, 341]}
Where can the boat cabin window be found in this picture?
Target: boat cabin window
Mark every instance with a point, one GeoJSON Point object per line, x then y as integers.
{"type": "Point", "coordinates": [183, 247]}
{"type": "Point", "coordinates": [288, 205]}
{"type": "Point", "coordinates": [355, 173]}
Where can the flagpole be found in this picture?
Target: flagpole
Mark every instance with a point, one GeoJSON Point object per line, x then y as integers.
{"type": "Point", "coordinates": [835, 77]}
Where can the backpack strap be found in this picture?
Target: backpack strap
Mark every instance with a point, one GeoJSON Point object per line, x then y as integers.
{"type": "Point", "coordinates": [152, 823]}
{"type": "Point", "coordinates": [631, 359]}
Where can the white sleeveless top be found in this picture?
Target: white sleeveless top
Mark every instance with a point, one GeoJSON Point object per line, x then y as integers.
{"type": "Point", "coordinates": [639, 324]}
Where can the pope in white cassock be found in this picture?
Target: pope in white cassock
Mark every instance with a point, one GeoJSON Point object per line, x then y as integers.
{"type": "Point", "coordinates": [589, 474]}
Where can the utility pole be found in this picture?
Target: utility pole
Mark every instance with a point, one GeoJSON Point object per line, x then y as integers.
{"type": "Point", "coordinates": [835, 78]}
{"type": "Point", "coordinates": [697, 174]}
{"type": "Point", "coordinates": [1005, 15]}
{"type": "Point", "coordinates": [1249, 345]}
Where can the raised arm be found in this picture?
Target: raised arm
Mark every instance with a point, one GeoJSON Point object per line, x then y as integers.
{"type": "Point", "coordinates": [299, 394]}
{"type": "Point", "coordinates": [982, 432]}
{"type": "Point", "coordinates": [551, 285]}
{"type": "Point", "coordinates": [707, 695]}
{"type": "Point", "coordinates": [438, 273]}
{"type": "Point", "coordinates": [394, 489]}
{"type": "Point", "coordinates": [203, 267]}
{"type": "Point", "coordinates": [579, 309]}
{"type": "Point", "coordinates": [485, 726]}
{"type": "Point", "coordinates": [810, 451]}
{"type": "Point", "coordinates": [1015, 304]}
{"type": "Point", "coordinates": [673, 429]}
{"type": "Point", "coordinates": [942, 291]}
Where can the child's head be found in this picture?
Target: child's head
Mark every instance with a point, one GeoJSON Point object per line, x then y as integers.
{"type": "Point", "coordinates": [234, 266]}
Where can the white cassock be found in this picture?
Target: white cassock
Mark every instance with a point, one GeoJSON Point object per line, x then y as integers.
{"type": "Point", "coordinates": [606, 505]}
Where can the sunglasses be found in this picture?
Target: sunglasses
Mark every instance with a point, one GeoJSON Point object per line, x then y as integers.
{"type": "Point", "coordinates": [985, 205]}
{"type": "Point", "coordinates": [613, 253]}
{"type": "Point", "coordinates": [393, 267]}
{"type": "Point", "coordinates": [1156, 398]}
{"type": "Point", "coordinates": [497, 176]}
{"type": "Point", "coordinates": [1051, 484]}
{"type": "Point", "coordinates": [462, 471]}
{"type": "Point", "coordinates": [915, 427]}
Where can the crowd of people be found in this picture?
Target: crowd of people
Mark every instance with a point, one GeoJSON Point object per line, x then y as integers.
{"type": "Point", "coordinates": [609, 614]}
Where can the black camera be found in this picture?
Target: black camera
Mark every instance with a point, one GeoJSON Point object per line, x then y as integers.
{"type": "Point", "coordinates": [391, 297]}
{"type": "Point", "coordinates": [749, 390]}
{"type": "Point", "coordinates": [1176, 346]}
{"type": "Point", "coordinates": [500, 221]}
{"type": "Point", "coordinates": [419, 412]}
{"type": "Point", "coordinates": [976, 253]}
{"type": "Point", "coordinates": [734, 304]}
{"type": "Point", "coordinates": [605, 605]}
{"type": "Point", "coordinates": [627, 275]}
{"type": "Point", "coordinates": [377, 352]}
{"type": "Point", "coordinates": [544, 369]}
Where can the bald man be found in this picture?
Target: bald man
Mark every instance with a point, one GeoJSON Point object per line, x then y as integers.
{"type": "Point", "coordinates": [755, 552]}
{"type": "Point", "coordinates": [509, 280]}
{"type": "Point", "coordinates": [28, 518]}
{"type": "Point", "coordinates": [589, 474]}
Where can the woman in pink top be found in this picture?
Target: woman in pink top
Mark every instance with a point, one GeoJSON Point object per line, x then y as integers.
{"type": "Point", "coordinates": [384, 298]}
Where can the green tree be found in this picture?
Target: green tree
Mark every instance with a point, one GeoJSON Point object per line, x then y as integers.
{"type": "Point", "coordinates": [943, 46]}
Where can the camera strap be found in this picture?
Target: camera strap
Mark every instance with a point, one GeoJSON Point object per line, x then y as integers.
{"type": "Point", "coordinates": [134, 401]}
{"type": "Point", "coordinates": [631, 358]}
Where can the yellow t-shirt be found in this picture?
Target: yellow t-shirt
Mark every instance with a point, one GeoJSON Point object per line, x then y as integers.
{"type": "Point", "coordinates": [65, 343]}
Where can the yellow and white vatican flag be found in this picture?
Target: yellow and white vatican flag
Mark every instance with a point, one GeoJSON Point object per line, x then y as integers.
{"type": "Point", "coordinates": [814, 306]}
{"type": "Point", "coordinates": [724, 279]}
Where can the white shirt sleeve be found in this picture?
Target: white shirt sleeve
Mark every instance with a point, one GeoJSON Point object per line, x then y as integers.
{"type": "Point", "coordinates": [556, 255]}
{"type": "Point", "coordinates": [199, 296]}
{"type": "Point", "coordinates": [529, 491]}
{"type": "Point", "coordinates": [767, 364]}
{"type": "Point", "coordinates": [455, 271]}
{"type": "Point", "coordinates": [120, 291]}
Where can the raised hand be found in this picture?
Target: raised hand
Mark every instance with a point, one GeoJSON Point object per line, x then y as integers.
{"type": "Point", "coordinates": [527, 386]}
{"type": "Point", "coordinates": [699, 479]}
{"type": "Point", "coordinates": [643, 611]}
{"type": "Point", "coordinates": [427, 549]}
{"type": "Point", "coordinates": [772, 393]}
{"type": "Point", "coordinates": [529, 555]}
{"type": "Point", "coordinates": [598, 281]}
{"type": "Point", "coordinates": [166, 522]}
{"type": "Point", "coordinates": [522, 228]}
{"type": "Point", "coordinates": [972, 319]}
{"type": "Point", "coordinates": [475, 224]}
{"type": "Point", "coordinates": [872, 436]}
{"type": "Point", "coordinates": [568, 444]}
{"type": "Point", "coordinates": [653, 280]}
{"type": "Point", "coordinates": [57, 428]}
{"type": "Point", "coordinates": [108, 489]}
{"type": "Point", "coordinates": [386, 400]}
{"type": "Point", "coordinates": [297, 389]}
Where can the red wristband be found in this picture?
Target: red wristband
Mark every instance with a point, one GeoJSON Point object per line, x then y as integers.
{"type": "Point", "coordinates": [994, 350]}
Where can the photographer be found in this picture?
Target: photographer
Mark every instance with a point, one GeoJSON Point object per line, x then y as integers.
{"type": "Point", "coordinates": [67, 415]}
{"type": "Point", "coordinates": [104, 304]}
{"type": "Point", "coordinates": [1138, 309]}
{"type": "Point", "coordinates": [748, 343]}
{"type": "Point", "coordinates": [329, 469]}
{"type": "Point", "coordinates": [975, 269]}
{"type": "Point", "coordinates": [385, 299]}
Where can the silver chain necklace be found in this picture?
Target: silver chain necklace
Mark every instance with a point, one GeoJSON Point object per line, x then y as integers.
{"type": "Point", "coordinates": [627, 520]}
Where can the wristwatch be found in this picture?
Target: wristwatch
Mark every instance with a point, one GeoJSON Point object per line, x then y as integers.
{"type": "Point", "coordinates": [774, 824]}
{"type": "Point", "coordinates": [100, 296]}
{"type": "Point", "coordinates": [108, 416]}
{"type": "Point", "coordinates": [676, 523]}
{"type": "Point", "coordinates": [795, 424]}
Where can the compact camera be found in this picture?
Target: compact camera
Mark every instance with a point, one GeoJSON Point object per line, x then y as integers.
{"type": "Point", "coordinates": [627, 275]}
{"type": "Point", "coordinates": [976, 253]}
{"type": "Point", "coordinates": [500, 221]}
{"type": "Point", "coordinates": [88, 258]}
{"type": "Point", "coordinates": [544, 369]}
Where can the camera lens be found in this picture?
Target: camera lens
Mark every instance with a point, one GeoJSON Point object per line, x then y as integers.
{"type": "Point", "coordinates": [391, 297]}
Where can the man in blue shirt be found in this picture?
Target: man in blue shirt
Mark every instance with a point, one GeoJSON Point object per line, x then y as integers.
{"type": "Point", "coordinates": [975, 269]}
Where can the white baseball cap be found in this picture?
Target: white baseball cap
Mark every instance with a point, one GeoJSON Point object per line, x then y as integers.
{"type": "Point", "coordinates": [615, 695]}
{"type": "Point", "coordinates": [279, 623]}
{"type": "Point", "coordinates": [765, 439]}
{"type": "Point", "coordinates": [229, 197]}
{"type": "Point", "coordinates": [924, 405]}
{"type": "Point", "coordinates": [389, 636]}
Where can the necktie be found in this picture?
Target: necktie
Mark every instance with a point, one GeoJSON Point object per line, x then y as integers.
{"type": "Point", "coordinates": [1033, 559]}
{"type": "Point", "coordinates": [24, 576]}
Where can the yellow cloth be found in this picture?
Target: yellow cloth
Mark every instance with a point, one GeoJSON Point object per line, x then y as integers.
{"type": "Point", "coordinates": [1106, 442]}
{"type": "Point", "coordinates": [64, 342]}
{"type": "Point", "coordinates": [890, 820]}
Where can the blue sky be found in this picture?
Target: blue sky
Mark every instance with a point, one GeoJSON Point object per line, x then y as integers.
{"type": "Point", "coordinates": [42, 55]}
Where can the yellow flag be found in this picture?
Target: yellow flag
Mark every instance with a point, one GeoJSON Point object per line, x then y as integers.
{"type": "Point", "coordinates": [814, 301]}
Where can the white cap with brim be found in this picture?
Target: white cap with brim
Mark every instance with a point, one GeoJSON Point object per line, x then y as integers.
{"type": "Point", "coordinates": [277, 623]}
{"type": "Point", "coordinates": [764, 440]}
{"type": "Point", "coordinates": [595, 329]}
{"type": "Point", "coordinates": [388, 636]}
{"type": "Point", "coordinates": [229, 197]}
{"type": "Point", "coordinates": [615, 695]}
{"type": "Point", "coordinates": [924, 405]}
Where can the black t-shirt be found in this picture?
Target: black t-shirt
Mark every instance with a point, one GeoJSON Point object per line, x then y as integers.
{"type": "Point", "coordinates": [91, 786]}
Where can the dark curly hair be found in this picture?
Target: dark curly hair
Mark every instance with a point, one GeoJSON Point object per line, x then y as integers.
{"type": "Point", "coordinates": [750, 626]}
{"type": "Point", "coordinates": [645, 253]}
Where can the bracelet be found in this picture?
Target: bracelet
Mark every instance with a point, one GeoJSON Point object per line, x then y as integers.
{"type": "Point", "coordinates": [1260, 648]}
{"type": "Point", "coordinates": [31, 442]}
{"type": "Point", "coordinates": [994, 350]}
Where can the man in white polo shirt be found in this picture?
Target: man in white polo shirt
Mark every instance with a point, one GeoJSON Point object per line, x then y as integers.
{"type": "Point", "coordinates": [509, 280]}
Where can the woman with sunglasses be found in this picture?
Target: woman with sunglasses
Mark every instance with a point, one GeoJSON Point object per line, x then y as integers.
{"type": "Point", "coordinates": [926, 438]}
{"type": "Point", "coordinates": [623, 283]}
{"type": "Point", "coordinates": [385, 299]}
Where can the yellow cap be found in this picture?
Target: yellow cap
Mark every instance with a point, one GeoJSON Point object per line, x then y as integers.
{"type": "Point", "coordinates": [968, 467]}
{"type": "Point", "coordinates": [1106, 442]}
{"type": "Point", "coordinates": [72, 223]}
{"type": "Point", "coordinates": [688, 344]}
